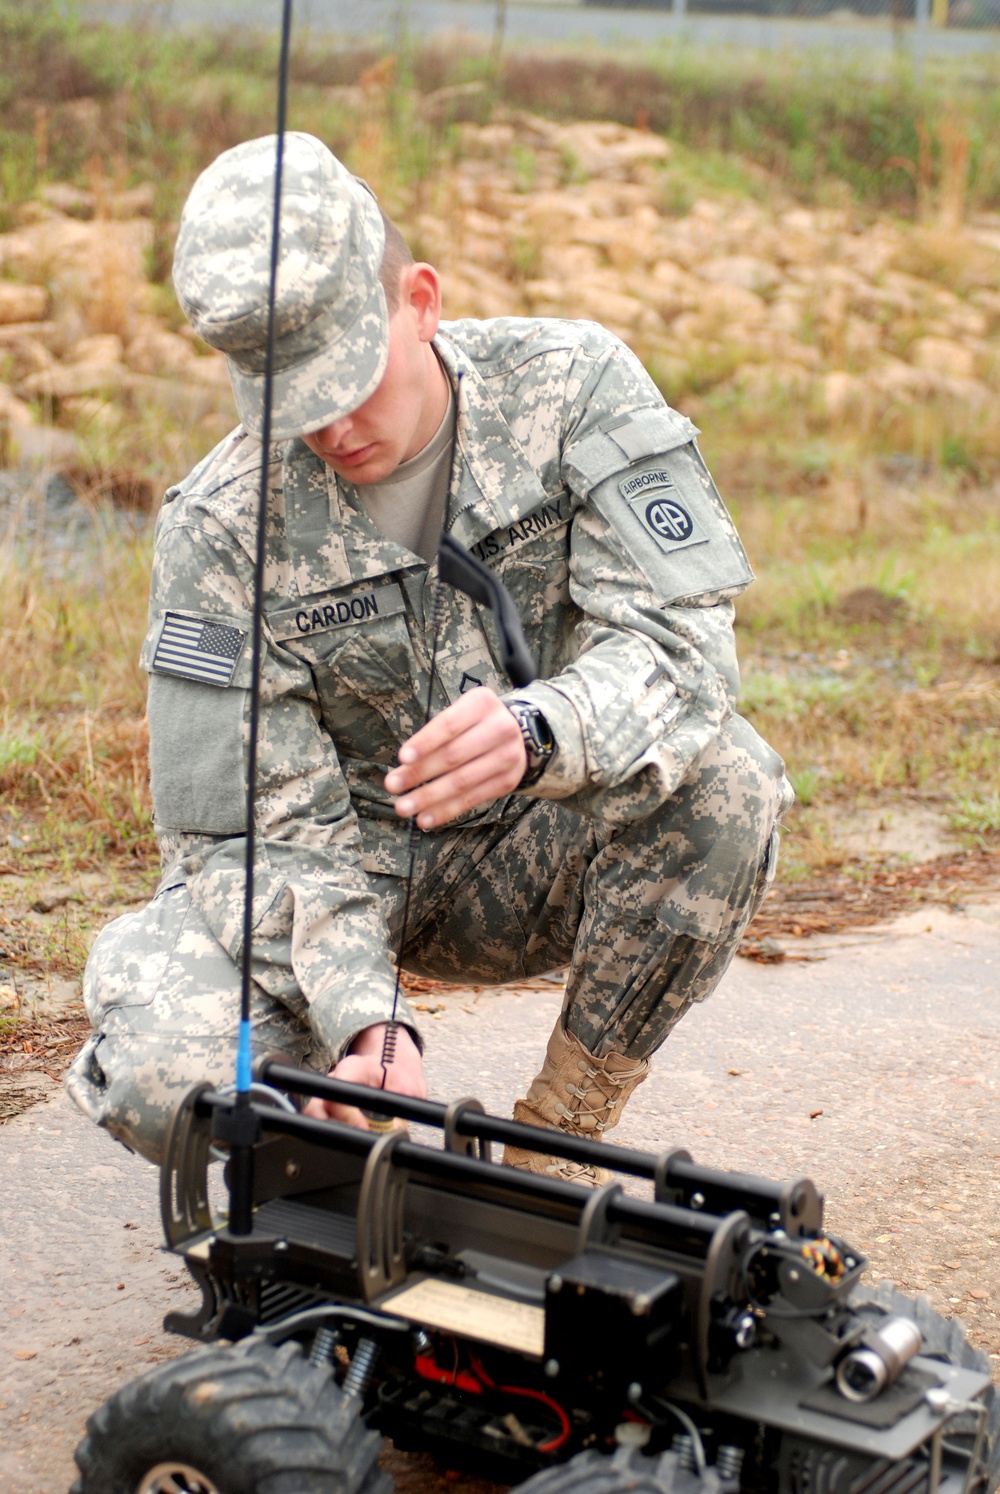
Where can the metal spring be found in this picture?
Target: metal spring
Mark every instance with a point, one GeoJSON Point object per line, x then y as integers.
{"type": "Point", "coordinates": [323, 1346]}
{"type": "Point", "coordinates": [683, 1446]}
{"type": "Point", "coordinates": [389, 1043]}
{"type": "Point", "coordinates": [360, 1369]}
{"type": "Point", "coordinates": [729, 1462]}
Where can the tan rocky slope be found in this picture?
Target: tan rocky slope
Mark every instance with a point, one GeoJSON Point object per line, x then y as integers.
{"type": "Point", "coordinates": [544, 219]}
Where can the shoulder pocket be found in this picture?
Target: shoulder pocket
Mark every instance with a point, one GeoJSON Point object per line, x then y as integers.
{"type": "Point", "coordinates": [646, 479]}
{"type": "Point", "coordinates": [196, 756]}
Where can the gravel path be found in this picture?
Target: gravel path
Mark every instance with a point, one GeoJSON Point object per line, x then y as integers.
{"type": "Point", "coordinates": [867, 1061]}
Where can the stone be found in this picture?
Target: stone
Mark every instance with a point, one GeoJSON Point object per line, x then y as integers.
{"type": "Point", "coordinates": [743, 271]}
{"type": "Point", "coordinates": [91, 410]}
{"type": "Point", "coordinates": [894, 377]}
{"type": "Point", "coordinates": [860, 338]}
{"type": "Point", "coordinates": [24, 356]}
{"type": "Point", "coordinates": [45, 446]}
{"type": "Point", "coordinates": [599, 148]}
{"type": "Point", "coordinates": [546, 297]}
{"type": "Point", "coordinates": [13, 411]}
{"type": "Point", "coordinates": [843, 393]}
{"type": "Point", "coordinates": [183, 399]}
{"type": "Point", "coordinates": [943, 355]}
{"type": "Point", "coordinates": [96, 270]}
{"type": "Point", "coordinates": [65, 198]}
{"type": "Point", "coordinates": [969, 394]}
{"type": "Point", "coordinates": [44, 332]}
{"type": "Point", "coordinates": [22, 303]}
{"type": "Point", "coordinates": [210, 371]}
{"type": "Point", "coordinates": [785, 313]}
{"type": "Point", "coordinates": [134, 202]}
{"type": "Point", "coordinates": [156, 351]}
{"type": "Point", "coordinates": [561, 260]}
{"type": "Point", "coordinates": [595, 298]}
{"type": "Point", "coordinates": [489, 250]}
{"type": "Point", "coordinates": [62, 381]}
{"type": "Point", "coordinates": [728, 301]}
{"type": "Point", "coordinates": [672, 276]}
{"type": "Point", "coordinates": [555, 212]}
{"type": "Point", "coordinates": [104, 347]}
{"type": "Point", "coordinates": [765, 380]}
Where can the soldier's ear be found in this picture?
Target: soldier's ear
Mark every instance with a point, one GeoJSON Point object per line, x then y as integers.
{"type": "Point", "coordinates": [420, 290]}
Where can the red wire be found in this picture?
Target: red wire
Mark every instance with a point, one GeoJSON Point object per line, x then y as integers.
{"type": "Point", "coordinates": [535, 1395]}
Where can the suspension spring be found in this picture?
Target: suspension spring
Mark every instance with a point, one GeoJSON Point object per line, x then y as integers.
{"type": "Point", "coordinates": [360, 1369]}
{"type": "Point", "coordinates": [684, 1448]}
{"type": "Point", "coordinates": [729, 1462]}
{"type": "Point", "coordinates": [323, 1346]}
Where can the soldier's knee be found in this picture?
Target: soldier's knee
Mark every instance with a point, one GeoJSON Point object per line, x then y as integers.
{"type": "Point", "coordinates": [131, 1085]}
{"type": "Point", "coordinates": [738, 793]}
{"type": "Point", "coordinates": [163, 997]}
{"type": "Point", "coordinates": [708, 855]}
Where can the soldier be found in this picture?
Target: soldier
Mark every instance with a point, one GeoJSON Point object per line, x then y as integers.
{"type": "Point", "coordinates": [615, 816]}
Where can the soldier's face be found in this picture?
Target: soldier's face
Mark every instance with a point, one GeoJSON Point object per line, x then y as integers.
{"type": "Point", "coordinates": [399, 419]}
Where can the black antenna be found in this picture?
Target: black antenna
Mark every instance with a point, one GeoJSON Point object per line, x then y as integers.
{"type": "Point", "coordinates": [242, 1125]}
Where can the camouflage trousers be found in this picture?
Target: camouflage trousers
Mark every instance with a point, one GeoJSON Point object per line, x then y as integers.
{"type": "Point", "coordinates": [647, 916]}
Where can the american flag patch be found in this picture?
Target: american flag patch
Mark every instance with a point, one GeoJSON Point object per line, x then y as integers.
{"type": "Point", "coordinates": [198, 649]}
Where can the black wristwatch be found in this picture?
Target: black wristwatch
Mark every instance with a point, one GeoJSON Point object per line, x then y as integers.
{"type": "Point", "coordinates": [539, 743]}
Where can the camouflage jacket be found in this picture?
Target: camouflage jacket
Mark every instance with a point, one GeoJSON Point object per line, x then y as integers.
{"type": "Point", "coordinates": [584, 491]}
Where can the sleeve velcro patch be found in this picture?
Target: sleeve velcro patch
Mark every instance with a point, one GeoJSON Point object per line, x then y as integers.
{"type": "Point", "coordinates": [198, 648]}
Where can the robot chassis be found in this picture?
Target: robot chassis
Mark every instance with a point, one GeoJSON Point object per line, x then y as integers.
{"type": "Point", "coordinates": [709, 1339]}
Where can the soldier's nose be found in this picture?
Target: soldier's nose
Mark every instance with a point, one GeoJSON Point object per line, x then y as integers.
{"type": "Point", "coordinates": [333, 436]}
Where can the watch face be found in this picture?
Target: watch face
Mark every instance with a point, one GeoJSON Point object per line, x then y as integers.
{"type": "Point", "coordinates": [536, 732]}
{"type": "Point", "coordinates": [541, 734]}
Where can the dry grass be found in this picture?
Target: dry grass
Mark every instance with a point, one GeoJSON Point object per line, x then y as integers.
{"type": "Point", "coordinates": [871, 646]}
{"type": "Point", "coordinates": [73, 777]}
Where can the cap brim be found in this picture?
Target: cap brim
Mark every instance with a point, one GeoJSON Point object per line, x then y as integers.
{"type": "Point", "coordinates": [324, 387]}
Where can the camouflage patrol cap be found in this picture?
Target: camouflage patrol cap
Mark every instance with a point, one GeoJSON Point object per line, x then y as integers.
{"type": "Point", "coordinates": [331, 333]}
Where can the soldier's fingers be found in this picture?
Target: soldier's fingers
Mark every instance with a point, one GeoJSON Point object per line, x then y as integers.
{"type": "Point", "coordinates": [485, 777]}
{"type": "Point", "coordinates": [476, 705]}
{"type": "Point", "coordinates": [478, 742]}
{"type": "Point", "coordinates": [328, 1110]}
{"type": "Point", "coordinates": [455, 805]}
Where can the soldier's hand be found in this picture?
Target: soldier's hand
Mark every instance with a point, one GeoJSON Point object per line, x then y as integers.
{"type": "Point", "coordinates": [470, 754]}
{"type": "Point", "coordinates": [363, 1065]}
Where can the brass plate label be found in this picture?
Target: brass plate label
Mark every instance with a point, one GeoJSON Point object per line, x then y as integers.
{"type": "Point", "coordinates": [458, 1309]}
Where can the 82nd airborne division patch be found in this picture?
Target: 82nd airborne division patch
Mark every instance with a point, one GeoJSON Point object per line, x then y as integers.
{"type": "Point", "coordinates": [650, 495]}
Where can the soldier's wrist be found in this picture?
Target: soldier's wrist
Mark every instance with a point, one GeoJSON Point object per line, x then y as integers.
{"type": "Point", "coordinates": [536, 734]}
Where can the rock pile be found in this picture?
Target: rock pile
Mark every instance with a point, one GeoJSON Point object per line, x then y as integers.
{"type": "Point", "coordinates": [732, 292]}
{"type": "Point", "coordinates": [80, 341]}
{"type": "Point", "coordinates": [538, 218]}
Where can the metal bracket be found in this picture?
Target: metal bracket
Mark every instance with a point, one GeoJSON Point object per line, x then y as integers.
{"type": "Point", "coordinates": [184, 1207]}
{"type": "Point", "coordinates": [801, 1208]}
{"type": "Point", "coordinates": [720, 1263]}
{"type": "Point", "coordinates": [379, 1238]}
{"type": "Point", "coordinates": [468, 1146]}
{"type": "Point", "coordinates": [663, 1190]}
{"type": "Point", "coordinates": [594, 1229]}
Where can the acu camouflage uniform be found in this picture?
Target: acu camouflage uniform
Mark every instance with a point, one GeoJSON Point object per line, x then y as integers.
{"type": "Point", "coordinates": [639, 857]}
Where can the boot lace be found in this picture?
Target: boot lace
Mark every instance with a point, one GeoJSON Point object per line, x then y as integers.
{"type": "Point", "coordinates": [602, 1115]}
{"type": "Point", "coordinates": [575, 1172]}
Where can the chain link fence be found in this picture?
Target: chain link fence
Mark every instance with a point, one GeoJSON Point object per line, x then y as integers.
{"type": "Point", "coordinates": [936, 13]}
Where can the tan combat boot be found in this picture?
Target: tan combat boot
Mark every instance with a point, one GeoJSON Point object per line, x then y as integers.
{"type": "Point", "coordinates": [579, 1094]}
